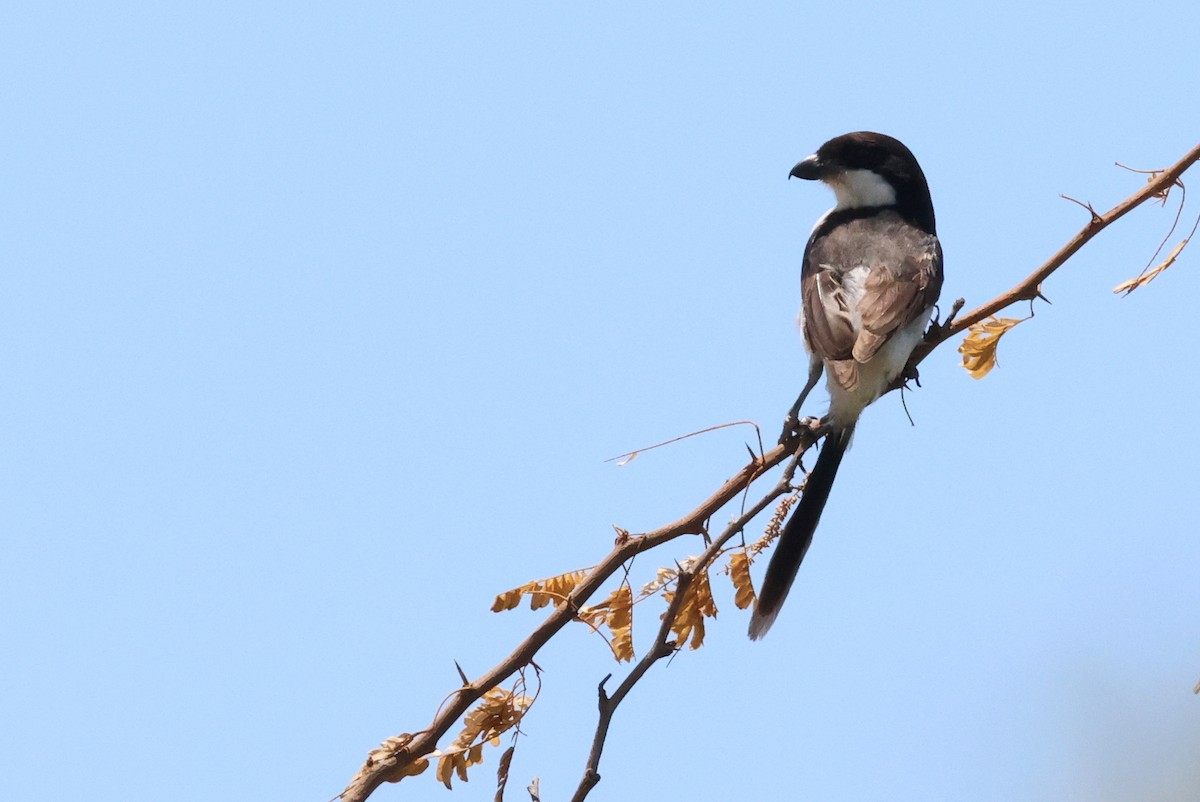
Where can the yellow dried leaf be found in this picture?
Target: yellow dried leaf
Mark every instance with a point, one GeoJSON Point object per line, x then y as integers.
{"type": "Point", "coordinates": [415, 768]}
{"type": "Point", "coordinates": [539, 598]}
{"type": "Point", "coordinates": [739, 574]}
{"type": "Point", "coordinates": [389, 750]}
{"type": "Point", "coordinates": [616, 613]}
{"type": "Point", "coordinates": [593, 615]}
{"type": "Point", "coordinates": [697, 604]}
{"type": "Point", "coordinates": [445, 770]}
{"type": "Point", "coordinates": [498, 711]}
{"type": "Point", "coordinates": [979, 347]}
{"type": "Point", "coordinates": [620, 607]}
{"type": "Point", "coordinates": [622, 644]}
{"type": "Point", "coordinates": [620, 621]}
{"type": "Point", "coordinates": [1148, 276]}
{"type": "Point", "coordinates": [662, 578]}
{"type": "Point", "coordinates": [554, 590]}
{"type": "Point", "coordinates": [507, 600]}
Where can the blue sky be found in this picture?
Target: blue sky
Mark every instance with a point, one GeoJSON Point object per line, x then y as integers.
{"type": "Point", "coordinates": [319, 322]}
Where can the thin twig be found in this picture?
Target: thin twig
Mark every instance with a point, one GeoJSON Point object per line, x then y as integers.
{"type": "Point", "coordinates": [1029, 288]}
{"type": "Point", "coordinates": [663, 645]}
{"type": "Point", "coordinates": [629, 456]}
{"type": "Point", "coordinates": [1174, 224]}
{"type": "Point", "coordinates": [391, 765]}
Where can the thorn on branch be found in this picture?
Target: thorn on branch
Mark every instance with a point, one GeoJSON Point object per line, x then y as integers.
{"type": "Point", "coordinates": [462, 674]}
{"type": "Point", "coordinates": [1096, 218]}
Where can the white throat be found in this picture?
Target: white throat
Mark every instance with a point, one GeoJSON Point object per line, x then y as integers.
{"type": "Point", "coordinates": [858, 188]}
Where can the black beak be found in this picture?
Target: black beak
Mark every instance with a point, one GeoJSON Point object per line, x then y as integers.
{"type": "Point", "coordinates": [809, 169]}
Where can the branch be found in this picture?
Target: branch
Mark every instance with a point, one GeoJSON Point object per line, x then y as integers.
{"type": "Point", "coordinates": [663, 645]}
{"type": "Point", "coordinates": [393, 761]}
{"type": "Point", "coordinates": [1030, 288]}
{"type": "Point", "coordinates": [402, 755]}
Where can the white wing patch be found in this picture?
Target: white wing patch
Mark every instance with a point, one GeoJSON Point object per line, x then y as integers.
{"type": "Point", "coordinates": [854, 285]}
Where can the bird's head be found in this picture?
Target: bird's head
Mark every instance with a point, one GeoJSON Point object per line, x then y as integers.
{"type": "Point", "coordinates": [865, 170]}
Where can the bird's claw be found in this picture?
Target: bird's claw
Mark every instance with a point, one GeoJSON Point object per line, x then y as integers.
{"type": "Point", "coordinates": [793, 426]}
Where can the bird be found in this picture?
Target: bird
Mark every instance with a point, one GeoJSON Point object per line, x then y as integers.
{"type": "Point", "coordinates": [869, 284]}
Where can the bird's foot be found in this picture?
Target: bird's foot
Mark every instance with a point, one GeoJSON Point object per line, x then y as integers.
{"type": "Point", "coordinates": [793, 426]}
{"type": "Point", "coordinates": [910, 374]}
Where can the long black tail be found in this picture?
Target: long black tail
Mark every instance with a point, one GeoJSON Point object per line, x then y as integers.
{"type": "Point", "coordinates": [798, 533]}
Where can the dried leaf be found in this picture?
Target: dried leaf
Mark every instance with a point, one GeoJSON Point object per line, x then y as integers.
{"type": "Point", "coordinates": [1148, 276]}
{"type": "Point", "coordinates": [498, 711]}
{"type": "Point", "coordinates": [508, 600]}
{"type": "Point", "coordinates": [698, 603]}
{"type": "Point", "coordinates": [664, 577]}
{"type": "Point", "coordinates": [620, 622]}
{"type": "Point", "coordinates": [387, 751]}
{"type": "Point", "coordinates": [616, 613]}
{"type": "Point", "coordinates": [739, 573]}
{"type": "Point", "coordinates": [415, 768]}
{"type": "Point", "coordinates": [979, 347]}
{"type": "Point", "coordinates": [541, 592]}
{"type": "Point", "coordinates": [445, 770]}
{"type": "Point", "coordinates": [773, 528]}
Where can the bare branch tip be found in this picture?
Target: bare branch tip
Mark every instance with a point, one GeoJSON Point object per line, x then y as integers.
{"type": "Point", "coordinates": [1152, 173]}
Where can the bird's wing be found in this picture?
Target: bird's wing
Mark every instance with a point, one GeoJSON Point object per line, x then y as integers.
{"type": "Point", "coordinates": [862, 281]}
{"type": "Point", "coordinates": [897, 291]}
